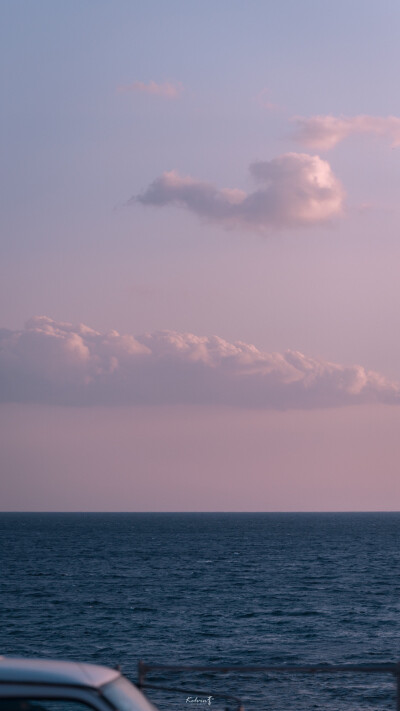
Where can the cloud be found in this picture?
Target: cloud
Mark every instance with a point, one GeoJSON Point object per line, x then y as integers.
{"type": "Point", "coordinates": [295, 190]}
{"type": "Point", "coordinates": [324, 132]}
{"type": "Point", "coordinates": [262, 99]}
{"type": "Point", "coordinates": [168, 90]}
{"type": "Point", "coordinates": [56, 363]}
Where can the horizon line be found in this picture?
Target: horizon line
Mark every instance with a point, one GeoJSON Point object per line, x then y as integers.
{"type": "Point", "coordinates": [369, 511]}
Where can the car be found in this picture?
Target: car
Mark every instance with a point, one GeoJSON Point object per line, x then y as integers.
{"type": "Point", "coordinates": [47, 685]}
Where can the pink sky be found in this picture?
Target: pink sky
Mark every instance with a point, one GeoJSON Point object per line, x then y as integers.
{"type": "Point", "coordinates": [199, 295]}
{"type": "Point", "coordinates": [203, 459]}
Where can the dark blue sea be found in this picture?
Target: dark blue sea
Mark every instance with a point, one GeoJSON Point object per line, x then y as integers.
{"type": "Point", "coordinates": [237, 589]}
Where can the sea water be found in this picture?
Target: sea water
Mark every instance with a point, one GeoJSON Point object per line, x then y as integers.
{"type": "Point", "coordinates": [237, 589]}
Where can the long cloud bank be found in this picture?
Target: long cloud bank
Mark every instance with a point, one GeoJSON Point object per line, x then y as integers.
{"type": "Point", "coordinates": [295, 190]}
{"type": "Point", "coordinates": [324, 132]}
{"type": "Point", "coordinates": [57, 363]}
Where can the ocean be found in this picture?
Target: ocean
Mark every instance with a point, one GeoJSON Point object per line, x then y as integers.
{"type": "Point", "coordinates": [223, 588]}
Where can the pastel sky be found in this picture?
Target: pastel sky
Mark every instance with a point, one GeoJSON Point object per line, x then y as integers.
{"type": "Point", "coordinates": [199, 273]}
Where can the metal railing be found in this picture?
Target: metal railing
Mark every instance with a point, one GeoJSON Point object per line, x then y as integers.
{"type": "Point", "coordinates": [144, 669]}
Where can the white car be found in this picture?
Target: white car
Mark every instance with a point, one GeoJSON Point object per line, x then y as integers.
{"type": "Point", "coordinates": [41, 685]}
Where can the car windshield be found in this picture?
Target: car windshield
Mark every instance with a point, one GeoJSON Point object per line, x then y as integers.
{"type": "Point", "coordinates": [124, 696]}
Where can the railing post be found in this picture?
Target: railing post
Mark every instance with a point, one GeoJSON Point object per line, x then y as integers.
{"type": "Point", "coordinates": [397, 673]}
{"type": "Point", "coordinates": [142, 670]}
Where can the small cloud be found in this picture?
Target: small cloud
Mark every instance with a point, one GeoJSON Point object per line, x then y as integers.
{"type": "Point", "coordinates": [295, 190]}
{"type": "Point", "coordinates": [262, 99]}
{"type": "Point", "coordinates": [167, 90]}
{"type": "Point", "coordinates": [60, 364]}
{"type": "Point", "coordinates": [325, 132]}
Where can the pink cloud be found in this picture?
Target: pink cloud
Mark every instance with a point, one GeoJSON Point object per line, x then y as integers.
{"type": "Point", "coordinates": [324, 132]}
{"type": "Point", "coordinates": [57, 363]}
{"type": "Point", "coordinates": [295, 190]}
{"type": "Point", "coordinates": [167, 90]}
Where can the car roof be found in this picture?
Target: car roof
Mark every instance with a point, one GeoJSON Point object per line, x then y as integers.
{"type": "Point", "coordinates": [45, 671]}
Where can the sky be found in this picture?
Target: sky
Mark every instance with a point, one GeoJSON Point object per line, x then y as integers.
{"type": "Point", "coordinates": [199, 286]}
